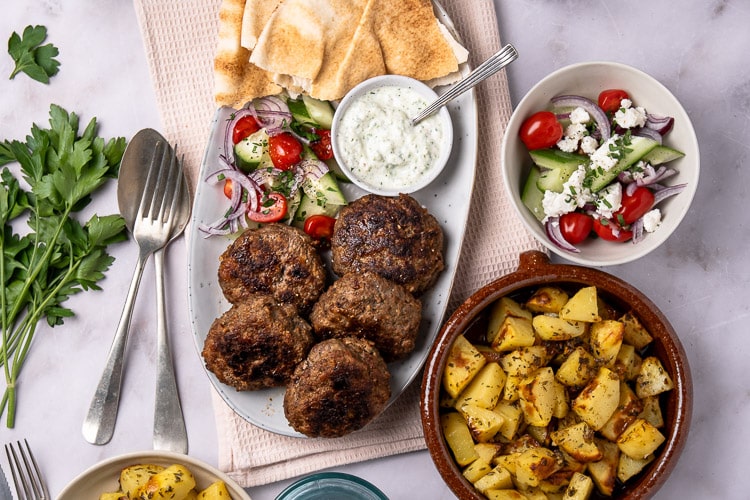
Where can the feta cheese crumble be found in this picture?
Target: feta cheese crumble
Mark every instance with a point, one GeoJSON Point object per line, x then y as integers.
{"type": "Point", "coordinates": [601, 158]}
{"type": "Point", "coordinates": [576, 131]}
{"type": "Point", "coordinates": [609, 200]}
{"type": "Point", "coordinates": [652, 220]}
{"type": "Point", "coordinates": [628, 116]}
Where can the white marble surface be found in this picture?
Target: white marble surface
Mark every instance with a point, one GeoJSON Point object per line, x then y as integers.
{"type": "Point", "coordinates": [699, 279]}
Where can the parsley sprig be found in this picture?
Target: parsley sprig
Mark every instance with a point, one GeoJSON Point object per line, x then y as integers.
{"type": "Point", "coordinates": [31, 57]}
{"type": "Point", "coordinates": [59, 256]}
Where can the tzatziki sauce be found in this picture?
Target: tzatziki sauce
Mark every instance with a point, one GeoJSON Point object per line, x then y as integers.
{"type": "Point", "coordinates": [380, 146]}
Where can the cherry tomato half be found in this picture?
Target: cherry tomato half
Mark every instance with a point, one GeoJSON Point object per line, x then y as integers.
{"type": "Point", "coordinates": [322, 147]}
{"type": "Point", "coordinates": [273, 207]}
{"type": "Point", "coordinates": [575, 227]}
{"type": "Point", "coordinates": [319, 227]}
{"type": "Point", "coordinates": [541, 130]}
{"type": "Point", "coordinates": [609, 100]}
{"type": "Point", "coordinates": [635, 206]}
{"type": "Point", "coordinates": [244, 127]}
{"type": "Point", "coordinates": [228, 188]}
{"type": "Point", "coordinates": [284, 150]}
{"type": "Point", "coordinates": [611, 231]}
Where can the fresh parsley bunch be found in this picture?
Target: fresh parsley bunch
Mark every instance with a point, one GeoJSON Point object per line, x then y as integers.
{"type": "Point", "coordinates": [36, 60]}
{"type": "Point", "coordinates": [58, 256]}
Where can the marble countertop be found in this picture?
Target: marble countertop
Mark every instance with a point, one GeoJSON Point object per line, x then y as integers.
{"type": "Point", "coordinates": [699, 278]}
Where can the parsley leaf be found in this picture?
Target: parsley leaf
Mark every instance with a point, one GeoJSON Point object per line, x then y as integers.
{"type": "Point", "coordinates": [60, 256]}
{"type": "Point", "coordinates": [31, 57]}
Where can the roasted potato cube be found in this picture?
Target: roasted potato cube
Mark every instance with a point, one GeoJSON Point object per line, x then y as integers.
{"type": "Point", "coordinates": [458, 437]}
{"type": "Point", "coordinates": [535, 494]}
{"type": "Point", "coordinates": [606, 340]}
{"type": "Point", "coordinates": [640, 439]}
{"type": "Point", "coordinates": [556, 328]}
{"type": "Point", "coordinates": [510, 391]}
{"type": "Point", "coordinates": [547, 299]}
{"type": "Point", "coordinates": [512, 417]}
{"type": "Point", "coordinates": [562, 401]}
{"type": "Point", "coordinates": [525, 360]}
{"type": "Point", "coordinates": [483, 423]}
{"type": "Point", "coordinates": [506, 494]}
{"type": "Point", "coordinates": [503, 308]}
{"type": "Point", "coordinates": [488, 451]}
{"type": "Point", "coordinates": [485, 389]}
{"type": "Point", "coordinates": [599, 399]}
{"type": "Point", "coordinates": [507, 462]}
{"type": "Point", "coordinates": [116, 495]}
{"type": "Point", "coordinates": [172, 483]}
{"type": "Point", "coordinates": [627, 411]}
{"type": "Point", "coordinates": [514, 333]}
{"type": "Point", "coordinates": [580, 487]}
{"type": "Point", "coordinates": [628, 467]}
{"type": "Point", "coordinates": [652, 411]}
{"type": "Point", "coordinates": [604, 471]}
{"type": "Point", "coordinates": [463, 363]}
{"type": "Point", "coordinates": [497, 479]}
{"type": "Point", "coordinates": [215, 491]}
{"type": "Point", "coordinates": [583, 306]}
{"type": "Point", "coordinates": [193, 495]}
{"type": "Point", "coordinates": [635, 333]}
{"type": "Point", "coordinates": [577, 369]}
{"type": "Point", "coordinates": [652, 378]}
{"type": "Point", "coordinates": [627, 363]}
{"type": "Point", "coordinates": [476, 470]}
{"type": "Point", "coordinates": [132, 478]}
{"type": "Point", "coordinates": [538, 397]}
{"type": "Point", "coordinates": [535, 464]}
{"type": "Point", "coordinates": [540, 434]}
{"type": "Point", "coordinates": [578, 442]}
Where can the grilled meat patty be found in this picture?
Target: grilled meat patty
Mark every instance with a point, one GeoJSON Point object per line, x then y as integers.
{"type": "Point", "coordinates": [274, 259]}
{"type": "Point", "coordinates": [392, 236]}
{"type": "Point", "coordinates": [257, 344]}
{"type": "Point", "coordinates": [340, 387]}
{"type": "Point", "coordinates": [366, 305]}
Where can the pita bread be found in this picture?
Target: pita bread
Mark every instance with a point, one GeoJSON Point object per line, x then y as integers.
{"type": "Point", "coordinates": [326, 47]}
{"type": "Point", "coordinates": [234, 77]}
{"type": "Point", "coordinates": [256, 15]}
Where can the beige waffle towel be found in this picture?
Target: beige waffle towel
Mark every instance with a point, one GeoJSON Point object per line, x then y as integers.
{"type": "Point", "coordinates": [180, 40]}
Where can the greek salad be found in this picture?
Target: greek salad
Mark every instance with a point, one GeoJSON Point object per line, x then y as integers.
{"type": "Point", "coordinates": [278, 166]}
{"type": "Point", "coordinates": [598, 168]}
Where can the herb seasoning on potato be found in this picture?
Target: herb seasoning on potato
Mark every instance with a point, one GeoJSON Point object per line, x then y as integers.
{"type": "Point", "coordinates": [555, 400]}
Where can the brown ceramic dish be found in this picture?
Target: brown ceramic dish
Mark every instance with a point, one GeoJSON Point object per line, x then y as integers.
{"type": "Point", "coordinates": [534, 270]}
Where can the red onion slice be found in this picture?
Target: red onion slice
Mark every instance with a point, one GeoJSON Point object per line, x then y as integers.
{"type": "Point", "coordinates": [552, 227]}
{"type": "Point", "coordinates": [638, 232]}
{"type": "Point", "coordinates": [593, 109]}
{"type": "Point", "coordinates": [668, 191]}
{"type": "Point", "coordinates": [648, 133]}
{"type": "Point", "coordinates": [661, 124]}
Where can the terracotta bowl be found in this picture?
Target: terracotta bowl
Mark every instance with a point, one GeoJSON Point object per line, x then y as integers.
{"type": "Point", "coordinates": [535, 270]}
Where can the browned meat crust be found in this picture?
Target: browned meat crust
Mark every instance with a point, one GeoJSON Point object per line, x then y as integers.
{"type": "Point", "coordinates": [257, 344]}
{"type": "Point", "coordinates": [392, 236]}
{"type": "Point", "coordinates": [275, 259]}
{"type": "Point", "coordinates": [341, 386]}
{"type": "Point", "coordinates": [366, 305]}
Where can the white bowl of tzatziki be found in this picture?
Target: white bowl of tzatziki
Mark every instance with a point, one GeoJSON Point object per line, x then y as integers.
{"type": "Point", "coordinates": [375, 143]}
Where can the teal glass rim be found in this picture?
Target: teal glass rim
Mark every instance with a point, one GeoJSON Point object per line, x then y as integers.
{"type": "Point", "coordinates": [336, 485]}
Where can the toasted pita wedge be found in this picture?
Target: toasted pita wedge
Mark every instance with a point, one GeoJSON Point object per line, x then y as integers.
{"type": "Point", "coordinates": [236, 81]}
{"type": "Point", "coordinates": [256, 15]}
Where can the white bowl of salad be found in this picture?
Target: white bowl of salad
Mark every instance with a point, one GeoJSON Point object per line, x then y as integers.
{"type": "Point", "coordinates": [601, 162]}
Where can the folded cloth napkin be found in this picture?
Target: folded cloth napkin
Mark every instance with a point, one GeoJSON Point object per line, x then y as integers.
{"type": "Point", "coordinates": [180, 43]}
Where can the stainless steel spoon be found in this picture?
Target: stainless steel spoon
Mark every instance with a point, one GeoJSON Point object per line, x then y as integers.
{"type": "Point", "coordinates": [145, 193]}
{"type": "Point", "coordinates": [492, 65]}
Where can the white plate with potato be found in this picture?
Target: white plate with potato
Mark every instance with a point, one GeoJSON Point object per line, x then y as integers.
{"type": "Point", "coordinates": [105, 477]}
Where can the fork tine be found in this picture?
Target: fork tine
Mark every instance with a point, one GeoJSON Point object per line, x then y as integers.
{"type": "Point", "coordinates": [172, 188]}
{"type": "Point", "coordinates": [29, 477]}
{"type": "Point", "coordinates": [152, 180]}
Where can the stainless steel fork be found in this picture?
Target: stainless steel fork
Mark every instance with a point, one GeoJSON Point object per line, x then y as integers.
{"type": "Point", "coordinates": [152, 229]}
{"type": "Point", "coordinates": [27, 477]}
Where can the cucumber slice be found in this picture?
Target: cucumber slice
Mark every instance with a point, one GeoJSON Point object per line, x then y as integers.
{"type": "Point", "coordinates": [307, 109]}
{"type": "Point", "coordinates": [662, 154]}
{"type": "Point", "coordinates": [531, 196]}
{"type": "Point", "coordinates": [553, 179]}
{"type": "Point", "coordinates": [336, 169]}
{"type": "Point", "coordinates": [321, 112]}
{"type": "Point", "coordinates": [637, 148]}
{"type": "Point", "coordinates": [309, 206]}
{"type": "Point", "coordinates": [325, 190]}
{"type": "Point", "coordinates": [250, 150]}
{"type": "Point", "coordinates": [555, 158]}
